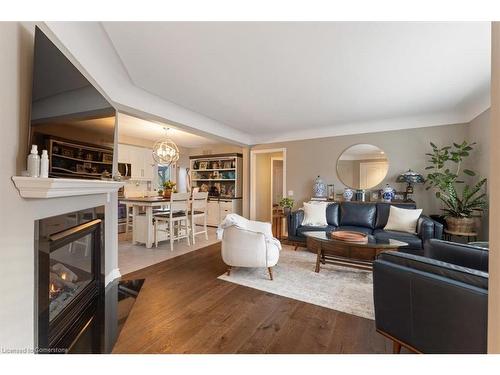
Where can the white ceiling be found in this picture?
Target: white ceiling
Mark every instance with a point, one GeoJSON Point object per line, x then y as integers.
{"type": "Point", "coordinates": [150, 131]}
{"type": "Point", "coordinates": [283, 80]}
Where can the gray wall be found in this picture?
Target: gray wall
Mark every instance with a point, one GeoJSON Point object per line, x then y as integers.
{"type": "Point", "coordinates": [405, 149]}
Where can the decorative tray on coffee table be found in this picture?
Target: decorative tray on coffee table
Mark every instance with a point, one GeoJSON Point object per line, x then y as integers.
{"type": "Point", "coordinates": [349, 236]}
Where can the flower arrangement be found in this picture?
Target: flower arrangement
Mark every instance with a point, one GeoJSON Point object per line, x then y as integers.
{"type": "Point", "coordinates": [169, 185]}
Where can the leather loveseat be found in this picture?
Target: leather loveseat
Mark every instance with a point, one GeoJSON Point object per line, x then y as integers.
{"type": "Point", "coordinates": [369, 218]}
{"type": "Point", "coordinates": [437, 303]}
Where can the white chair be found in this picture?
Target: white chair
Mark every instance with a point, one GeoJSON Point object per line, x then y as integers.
{"type": "Point", "coordinates": [199, 206]}
{"type": "Point", "coordinates": [178, 217]}
{"type": "Point", "coordinates": [247, 243]}
{"type": "Point", "coordinates": [130, 215]}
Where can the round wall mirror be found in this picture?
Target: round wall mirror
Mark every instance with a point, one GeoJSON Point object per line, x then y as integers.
{"type": "Point", "coordinates": [362, 166]}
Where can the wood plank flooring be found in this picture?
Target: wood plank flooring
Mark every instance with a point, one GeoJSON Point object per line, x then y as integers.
{"type": "Point", "coordinates": [184, 308]}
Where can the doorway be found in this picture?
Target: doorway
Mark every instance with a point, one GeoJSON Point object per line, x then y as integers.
{"type": "Point", "coordinates": [268, 182]}
{"type": "Point", "coordinates": [276, 177]}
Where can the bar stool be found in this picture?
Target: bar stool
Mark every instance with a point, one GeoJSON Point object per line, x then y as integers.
{"type": "Point", "coordinates": [179, 214]}
{"type": "Point", "coordinates": [199, 208]}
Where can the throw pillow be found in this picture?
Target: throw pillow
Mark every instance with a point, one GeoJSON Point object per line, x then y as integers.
{"type": "Point", "coordinates": [403, 220]}
{"type": "Point", "coordinates": [315, 214]}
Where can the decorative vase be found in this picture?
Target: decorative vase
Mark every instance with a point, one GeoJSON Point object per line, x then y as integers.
{"type": "Point", "coordinates": [319, 188]}
{"type": "Point", "coordinates": [461, 224]}
{"type": "Point", "coordinates": [167, 193]}
{"type": "Point", "coordinates": [388, 193]}
{"type": "Point", "coordinates": [348, 194]}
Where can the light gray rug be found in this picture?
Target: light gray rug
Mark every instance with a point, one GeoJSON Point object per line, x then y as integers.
{"type": "Point", "coordinates": [339, 288]}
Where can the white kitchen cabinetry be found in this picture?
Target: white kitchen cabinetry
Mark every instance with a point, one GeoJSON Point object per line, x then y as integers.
{"type": "Point", "coordinates": [141, 159]}
{"type": "Point", "coordinates": [123, 153]}
{"type": "Point", "coordinates": [218, 209]}
{"type": "Point", "coordinates": [221, 176]}
{"type": "Point", "coordinates": [213, 214]}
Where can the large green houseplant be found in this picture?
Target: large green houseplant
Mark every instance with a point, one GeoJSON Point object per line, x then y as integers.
{"type": "Point", "coordinates": [445, 175]}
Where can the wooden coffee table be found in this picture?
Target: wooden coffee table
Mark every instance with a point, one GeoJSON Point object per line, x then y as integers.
{"type": "Point", "coordinates": [341, 253]}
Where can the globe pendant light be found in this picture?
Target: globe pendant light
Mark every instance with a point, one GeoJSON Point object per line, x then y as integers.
{"type": "Point", "coordinates": [165, 151]}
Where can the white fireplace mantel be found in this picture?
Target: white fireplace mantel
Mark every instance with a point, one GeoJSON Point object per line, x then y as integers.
{"type": "Point", "coordinates": [32, 187]}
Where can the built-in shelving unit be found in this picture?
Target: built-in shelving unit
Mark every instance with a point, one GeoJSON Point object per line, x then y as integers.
{"type": "Point", "coordinates": [221, 176]}
{"type": "Point", "coordinates": [72, 159]}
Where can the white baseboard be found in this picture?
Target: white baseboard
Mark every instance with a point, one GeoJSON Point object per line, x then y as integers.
{"type": "Point", "coordinates": [114, 274]}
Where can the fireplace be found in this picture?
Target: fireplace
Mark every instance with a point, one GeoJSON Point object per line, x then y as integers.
{"type": "Point", "coordinates": [68, 263]}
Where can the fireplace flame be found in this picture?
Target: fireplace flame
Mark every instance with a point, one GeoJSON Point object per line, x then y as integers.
{"type": "Point", "coordinates": [53, 290]}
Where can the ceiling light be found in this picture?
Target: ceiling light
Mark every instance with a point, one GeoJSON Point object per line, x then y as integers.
{"type": "Point", "coordinates": [165, 151]}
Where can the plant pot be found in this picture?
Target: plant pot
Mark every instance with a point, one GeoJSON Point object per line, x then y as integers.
{"type": "Point", "coordinates": [461, 224]}
{"type": "Point", "coordinates": [167, 193]}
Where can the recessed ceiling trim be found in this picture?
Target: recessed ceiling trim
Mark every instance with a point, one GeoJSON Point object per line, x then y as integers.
{"type": "Point", "coordinates": [368, 127]}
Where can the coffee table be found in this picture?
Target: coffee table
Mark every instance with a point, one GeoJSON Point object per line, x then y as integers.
{"type": "Point", "coordinates": [342, 253]}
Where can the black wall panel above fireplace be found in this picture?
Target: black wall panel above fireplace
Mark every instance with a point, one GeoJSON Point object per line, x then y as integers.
{"type": "Point", "coordinates": [66, 108]}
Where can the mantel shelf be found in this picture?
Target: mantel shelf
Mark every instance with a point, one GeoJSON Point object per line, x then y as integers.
{"type": "Point", "coordinates": [31, 187]}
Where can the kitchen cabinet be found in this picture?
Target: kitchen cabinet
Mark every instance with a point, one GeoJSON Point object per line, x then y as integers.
{"type": "Point", "coordinates": [141, 159]}
{"type": "Point", "coordinates": [123, 153]}
{"type": "Point", "coordinates": [213, 214]}
{"type": "Point", "coordinates": [220, 175]}
{"type": "Point", "coordinates": [218, 209]}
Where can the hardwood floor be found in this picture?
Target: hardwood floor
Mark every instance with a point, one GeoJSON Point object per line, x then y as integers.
{"type": "Point", "coordinates": [184, 308]}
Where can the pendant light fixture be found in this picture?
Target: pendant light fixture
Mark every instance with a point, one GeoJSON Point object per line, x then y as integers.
{"type": "Point", "coordinates": [165, 151]}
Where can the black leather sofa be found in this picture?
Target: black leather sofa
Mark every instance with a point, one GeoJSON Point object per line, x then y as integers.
{"type": "Point", "coordinates": [437, 303]}
{"type": "Point", "coordinates": [369, 218]}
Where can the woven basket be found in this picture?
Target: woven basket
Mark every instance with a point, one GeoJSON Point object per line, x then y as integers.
{"type": "Point", "coordinates": [461, 224]}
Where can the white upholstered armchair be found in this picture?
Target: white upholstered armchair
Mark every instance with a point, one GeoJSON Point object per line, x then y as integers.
{"type": "Point", "coordinates": [247, 243]}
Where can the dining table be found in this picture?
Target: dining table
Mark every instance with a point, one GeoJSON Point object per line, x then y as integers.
{"type": "Point", "coordinates": [148, 203]}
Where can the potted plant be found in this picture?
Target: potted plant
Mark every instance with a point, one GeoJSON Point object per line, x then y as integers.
{"type": "Point", "coordinates": [287, 205]}
{"type": "Point", "coordinates": [160, 192]}
{"type": "Point", "coordinates": [168, 186]}
{"type": "Point", "coordinates": [446, 174]}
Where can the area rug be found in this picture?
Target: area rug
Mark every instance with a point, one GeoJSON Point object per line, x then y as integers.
{"type": "Point", "coordinates": [339, 288]}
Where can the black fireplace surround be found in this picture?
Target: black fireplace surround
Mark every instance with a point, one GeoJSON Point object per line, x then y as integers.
{"type": "Point", "coordinates": [70, 281]}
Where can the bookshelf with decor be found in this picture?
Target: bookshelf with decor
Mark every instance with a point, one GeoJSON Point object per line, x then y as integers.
{"type": "Point", "coordinates": [73, 159]}
{"type": "Point", "coordinates": [221, 175]}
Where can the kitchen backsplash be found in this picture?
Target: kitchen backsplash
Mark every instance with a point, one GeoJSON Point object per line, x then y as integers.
{"type": "Point", "coordinates": [138, 188]}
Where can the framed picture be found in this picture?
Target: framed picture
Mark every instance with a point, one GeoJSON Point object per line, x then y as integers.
{"type": "Point", "coordinates": [203, 164]}
{"type": "Point", "coordinates": [107, 158]}
{"type": "Point", "coordinates": [375, 196]}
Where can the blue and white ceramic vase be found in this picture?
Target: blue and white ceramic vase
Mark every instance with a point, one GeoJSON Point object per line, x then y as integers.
{"type": "Point", "coordinates": [388, 193]}
{"type": "Point", "coordinates": [348, 194]}
{"type": "Point", "coordinates": [319, 188]}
